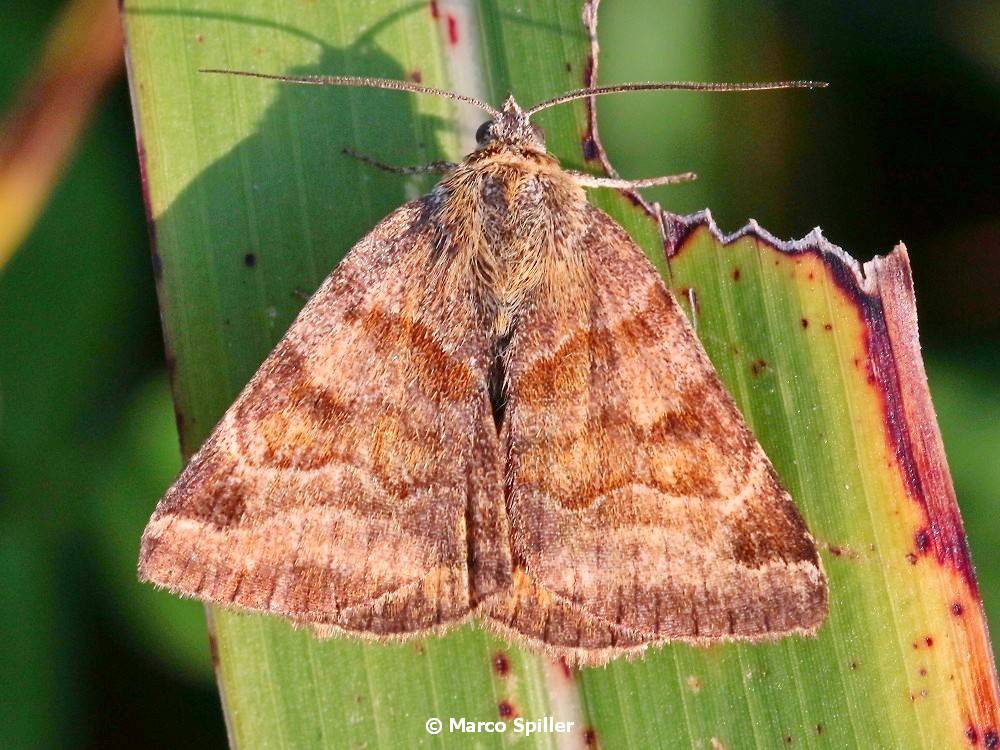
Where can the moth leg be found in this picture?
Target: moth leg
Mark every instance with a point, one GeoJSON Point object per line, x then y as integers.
{"type": "Point", "coordinates": [434, 166]}
{"type": "Point", "coordinates": [588, 180]}
{"type": "Point", "coordinates": [693, 304]}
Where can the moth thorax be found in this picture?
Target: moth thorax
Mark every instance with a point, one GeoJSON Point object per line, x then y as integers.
{"type": "Point", "coordinates": [503, 323]}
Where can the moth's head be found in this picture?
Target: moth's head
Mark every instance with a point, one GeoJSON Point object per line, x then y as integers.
{"type": "Point", "coordinates": [511, 126]}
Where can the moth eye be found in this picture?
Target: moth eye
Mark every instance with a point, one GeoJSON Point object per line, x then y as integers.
{"type": "Point", "coordinates": [538, 133]}
{"type": "Point", "coordinates": [482, 134]}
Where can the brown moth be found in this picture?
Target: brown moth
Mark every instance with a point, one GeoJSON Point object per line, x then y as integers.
{"type": "Point", "coordinates": [493, 407]}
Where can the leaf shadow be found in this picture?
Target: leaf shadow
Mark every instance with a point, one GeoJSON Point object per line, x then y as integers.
{"type": "Point", "coordinates": [256, 231]}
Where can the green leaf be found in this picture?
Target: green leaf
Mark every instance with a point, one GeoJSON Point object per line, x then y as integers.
{"type": "Point", "coordinates": [253, 204]}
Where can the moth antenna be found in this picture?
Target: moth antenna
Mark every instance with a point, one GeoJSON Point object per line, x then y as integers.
{"type": "Point", "coordinates": [674, 85]}
{"type": "Point", "coordinates": [361, 82]}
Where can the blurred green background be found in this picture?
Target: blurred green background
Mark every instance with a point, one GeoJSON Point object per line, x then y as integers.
{"type": "Point", "coordinates": [900, 147]}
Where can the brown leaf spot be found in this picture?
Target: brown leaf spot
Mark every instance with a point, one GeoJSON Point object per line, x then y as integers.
{"type": "Point", "coordinates": [736, 274]}
{"type": "Point", "coordinates": [506, 710]}
{"type": "Point", "coordinates": [804, 322]}
{"type": "Point", "coordinates": [957, 609]}
{"type": "Point", "coordinates": [568, 67]}
{"type": "Point", "coordinates": [213, 649]}
{"type": "Point", "coordinates": [819, 729]}
{"type": "Point", "coordinates": [501, 664]}
{"type": "Point", "coordinates": [911, 558]}
{"type": "Point", "coordinates": [694, 683]}
{"type": "Point", "coordinates": [435, 13]}
{"type": "Point", "coordinates": [991, 740]}
{"type": "Point", "coordinates": [757, 366]}
{"type": "Point", "coordinates": [452, 30]}
{"type": "Point", "coordinates": [250, 260]}
{"type": "Point", "coordinates": [929, 641]}
{"type": "Point", "coordinates": [590, 737]}
{"type": "Point", "coordinates": [923, 541]}
{"type": "Point", "coordinates": [972, 735]}
{"type": "Point", "coordinates": [416, 76]}
{"type": "Point", "coordinates": [590, 150]}
{"type": "Point", "coordinates": [157, 265]}
{"type": "Point", "coordinates": [199, 38]}
{"type": "Point", "coordinates": [588, 72]}
{"type": "Point", "coordinates": [828, 327]}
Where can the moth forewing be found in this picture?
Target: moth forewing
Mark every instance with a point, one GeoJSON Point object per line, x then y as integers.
{"type": "Point", "coordinates": [343, 484]}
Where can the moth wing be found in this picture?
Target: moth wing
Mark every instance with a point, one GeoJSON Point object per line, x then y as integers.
{"type": "Point", "coordinates": [342, 486]}
{"type": "Point", "coordinates": [642, 509]}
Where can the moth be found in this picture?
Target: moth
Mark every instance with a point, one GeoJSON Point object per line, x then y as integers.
{"type": "Point", "coordinates": [493, 407]}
